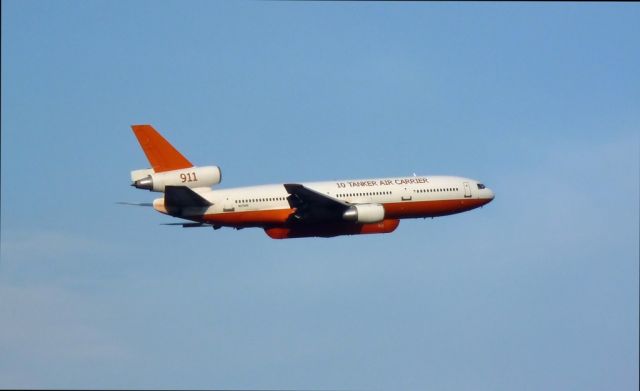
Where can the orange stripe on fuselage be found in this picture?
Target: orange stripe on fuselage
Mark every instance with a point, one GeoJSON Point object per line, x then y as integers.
{"type": "Point", "coordinates": [249, 218]}
{"type": "Point", "coordinates": [393, 210]}
{"type": "Point", "coordinates": [435, 208]}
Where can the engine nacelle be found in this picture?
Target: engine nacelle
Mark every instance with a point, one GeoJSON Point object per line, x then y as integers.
{"type": "Point", "coordinates": [190, 177]}
{"type": "Point", "coordinates": [364, 213]}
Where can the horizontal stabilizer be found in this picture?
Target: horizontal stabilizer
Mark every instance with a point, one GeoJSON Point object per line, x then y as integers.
{"type": "Point", "coordinates": [134, 203]}
{"type": "Point", "coordinates": [195, 225]}
{"type": "Point", "coordinates": [178, 197]}
{"type": "Point", "coordinates": [189, 225]}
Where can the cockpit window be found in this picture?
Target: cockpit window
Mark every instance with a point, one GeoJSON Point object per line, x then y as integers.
{"type": "Point", "coordinates": [481, 186]}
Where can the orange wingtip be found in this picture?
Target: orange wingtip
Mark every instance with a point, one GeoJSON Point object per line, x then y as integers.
{"type": "Point", "coordinates": [161, 154]}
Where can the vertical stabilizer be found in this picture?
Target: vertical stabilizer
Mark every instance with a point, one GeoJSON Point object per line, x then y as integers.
{"type": "Point", "coordinates": [161, 154]}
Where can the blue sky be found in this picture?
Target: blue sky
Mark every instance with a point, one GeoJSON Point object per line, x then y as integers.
{"type": "Point", "coordinates": [537, 290]}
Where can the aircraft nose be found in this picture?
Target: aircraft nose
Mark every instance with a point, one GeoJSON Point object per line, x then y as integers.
{"type": "Point", "coordinates": [489, 194]}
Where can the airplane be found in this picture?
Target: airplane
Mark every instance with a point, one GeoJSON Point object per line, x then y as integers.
{"type": "Point", "coordinates": [296, 210]}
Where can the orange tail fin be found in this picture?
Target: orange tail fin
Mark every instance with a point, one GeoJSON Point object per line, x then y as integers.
{"type": "Point", "coordinates": [162, 155]}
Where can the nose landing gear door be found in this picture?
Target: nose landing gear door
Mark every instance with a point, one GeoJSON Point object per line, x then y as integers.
{"type": "Point", "coordinates": [467, 190]}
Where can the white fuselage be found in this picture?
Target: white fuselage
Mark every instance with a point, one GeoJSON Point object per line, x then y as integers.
{"type": "Point", "coordinates": [397, 194]}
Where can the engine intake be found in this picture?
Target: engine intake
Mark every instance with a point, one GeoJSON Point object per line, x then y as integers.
{"type": "Point", "coordinates": [364, 213]}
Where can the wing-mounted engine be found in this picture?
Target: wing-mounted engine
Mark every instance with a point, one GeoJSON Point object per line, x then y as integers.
{"type": "Point", "coordinates": [364, 213]}
{"type": "Point", "coordinates": [190, 177]}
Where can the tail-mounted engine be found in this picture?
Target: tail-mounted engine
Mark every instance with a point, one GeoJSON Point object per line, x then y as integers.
{"type": "Point", "coordinates": [189, 177]}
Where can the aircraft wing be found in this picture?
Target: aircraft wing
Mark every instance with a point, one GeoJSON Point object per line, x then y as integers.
{"type": "Point", "coordinates": [313, 206]}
